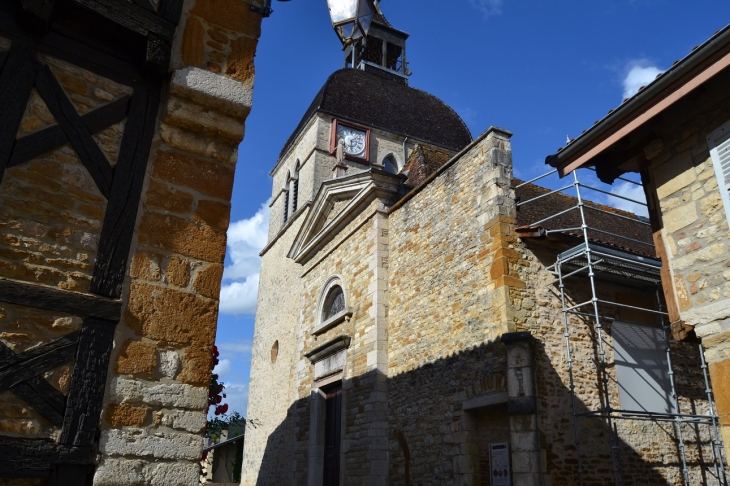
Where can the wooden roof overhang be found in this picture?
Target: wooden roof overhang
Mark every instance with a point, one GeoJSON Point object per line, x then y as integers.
{"type": "Point", "coordinates": [615, 144]}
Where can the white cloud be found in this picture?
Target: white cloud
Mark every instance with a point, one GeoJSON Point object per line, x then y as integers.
{"type": "Point", "coordinates": [488, 7]}
{"type": "Point", "coordinates": [246, 239]}
{"type": "Point", "coordinates": [241, 347]}
{"type": "Point", "coordinates": [630, 191]}
{"type": "Point", "coordinates": [640, 73]}
{"type": "Point", "coordinates": [223, 368]}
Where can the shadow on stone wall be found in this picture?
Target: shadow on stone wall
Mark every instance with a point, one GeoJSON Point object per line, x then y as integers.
{"type": "Point", "coordinates": [433, 440]}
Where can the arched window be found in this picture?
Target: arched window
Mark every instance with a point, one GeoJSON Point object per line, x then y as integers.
{"type": "Point", "coordinates": [332, 307]}
{"type": "Point", "coordinates": [286, 197]}
{"type": "Point", "coordinates": [334, 303]}
{"type": "Point", "coordinates": [295, 189]}
{"type": "Point", "coordinates": [390, 165]}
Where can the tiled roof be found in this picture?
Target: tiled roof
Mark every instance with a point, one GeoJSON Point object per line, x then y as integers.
{"type": "Point", "coordinates": [616, 222]}
{"type": "Point", "coordinates": [369, 100]}
{"type": "Point", "coordinates": [423, 162]}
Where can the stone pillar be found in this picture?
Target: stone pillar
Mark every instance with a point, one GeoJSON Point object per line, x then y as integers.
{"type": "Point", "coordinates": [377, 357]}
{"type": "Point", "coordinates": [156, 399]}
{"type": "Point", "coordinates": [522, 408]}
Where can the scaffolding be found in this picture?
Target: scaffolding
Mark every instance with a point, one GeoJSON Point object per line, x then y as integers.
{"type": "Point", "coordinates": [593, 261]}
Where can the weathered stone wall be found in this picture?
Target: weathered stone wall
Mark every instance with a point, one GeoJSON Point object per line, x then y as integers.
{"type": "Point", "coordinates": [683, 187]}
{"type": "Point", "coordinates": [457, 285]}
{"type": "Point", "coordinates": [447, 310]}
{"type": "Point", "coordinates": [51, 214]}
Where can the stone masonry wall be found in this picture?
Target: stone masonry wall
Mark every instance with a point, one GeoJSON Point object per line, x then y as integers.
{"type": "Point", "coordinates": [157, 391]}
{"type": "Point", "coordinates": [353, 259]}
{"type": "Point", "coordinates": [50, 218]}
{"type": "Point", "coordinates": [683, 186]}
{"type": "Point", "coordinates": [448, 308]}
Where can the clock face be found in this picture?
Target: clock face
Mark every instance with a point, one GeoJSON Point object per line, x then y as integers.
{"type": "Point", "coordinates": [354, 141]}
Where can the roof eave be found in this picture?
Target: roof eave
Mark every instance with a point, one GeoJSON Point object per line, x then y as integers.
{"type": "Point", "coordinates": [696, 68]}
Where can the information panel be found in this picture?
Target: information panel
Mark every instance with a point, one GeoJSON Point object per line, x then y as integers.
{"type": "Point", "coordinates": [499, 464]}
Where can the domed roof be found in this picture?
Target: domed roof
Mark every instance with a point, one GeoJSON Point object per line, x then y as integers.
{"type": "Point", "coordinates": [377, 102]}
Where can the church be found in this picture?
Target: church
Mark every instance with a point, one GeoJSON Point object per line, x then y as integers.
{"type": "Point", "coordinates": [424, 318]}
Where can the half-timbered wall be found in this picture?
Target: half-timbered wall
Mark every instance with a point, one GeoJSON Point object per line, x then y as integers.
{"type": "Point", "coordinates": [119, 128]}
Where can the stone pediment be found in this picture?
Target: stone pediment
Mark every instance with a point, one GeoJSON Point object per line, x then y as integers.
{"type": "Point", "coordinates": [337, 203]}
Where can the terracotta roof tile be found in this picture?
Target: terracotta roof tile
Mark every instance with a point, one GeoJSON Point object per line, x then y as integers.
{"type": "Point", "coordinates": [423, 162]}
{"type": "Point", "coordinates": [618, 222]}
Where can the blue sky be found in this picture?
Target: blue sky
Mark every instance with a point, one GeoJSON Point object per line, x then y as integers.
{"type": "Point", "coordinates": [543, 70]}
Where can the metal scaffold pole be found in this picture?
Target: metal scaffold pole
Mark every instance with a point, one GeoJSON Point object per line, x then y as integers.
{"type": "Point", "coordinates": [615, 447]}
{"type": "Point", "coordinates": [590, 258]}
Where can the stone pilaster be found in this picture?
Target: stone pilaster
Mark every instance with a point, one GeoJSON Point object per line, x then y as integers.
{"type": "Point", "coordinates": [521, 406]}
{"type": "Point", "coordinates": [377, 358]}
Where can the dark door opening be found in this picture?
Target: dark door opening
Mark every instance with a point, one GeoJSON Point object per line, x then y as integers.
{"type": "Point", "coordinates": [332, 435]}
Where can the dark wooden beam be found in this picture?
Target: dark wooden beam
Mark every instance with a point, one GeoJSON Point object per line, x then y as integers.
{"type": "Point", "coordinates": [88, 381]}
{"type": "Point", "coordinates": [84, 55]}
{"type": "Point", "coordinates": [30, 394]}
{"type": "Point", "coordinates": [49, 298]}
{"type": "Point", "coordinates": [37, 15]}
{"type": "Point", "coordinates": [18, 75]}
{"type": "Point", "coordinates": [78, 135]}
{"type": "Point", "coordinates": [145, 4]}
{"type": "Point", "coordinates": [130, 16]}
{"type": "Point", "coordinates": [24, 366]}
{"type": "Point", "coordinates": [157, 56]}
{"type": "Point", "coordinates": [121, 213]}
{"type": "Point", "coordinates": [38, 393]}
{"type": "Point", "coordinates": [35, 458]}
{"type": "Point", "coordinates": [51, 138]}
{"type": "Point", "coordinates": [170, 10]}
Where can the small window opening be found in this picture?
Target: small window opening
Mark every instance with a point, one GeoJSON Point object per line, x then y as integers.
{"type": "Point", "coordinates": [286, 206]}
{"type": "Point", "coordinates": [390, 165]}
{"type": "Point", "coordinates": [275, 351]}
{"type": "Point", "coordinates": [394, 57]}
{"type": "Point", "coordinates": [334, 303]}
{"type": "Point", "coordinates": [374, 51]}
{"type": "Point", "coordinates": [295, 190]}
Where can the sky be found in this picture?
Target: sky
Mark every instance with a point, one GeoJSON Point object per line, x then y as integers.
{"type": "Point", "coordinates": [543, 70]}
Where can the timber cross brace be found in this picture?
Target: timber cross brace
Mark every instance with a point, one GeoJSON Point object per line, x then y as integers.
{"type": "Point", "coordinates": [128, 43]}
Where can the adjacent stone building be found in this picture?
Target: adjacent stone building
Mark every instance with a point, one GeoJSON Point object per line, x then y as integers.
{"type": "Point", "coordinates": [412, 321]}
{"type": "Point", "coordinates": [119, 128]}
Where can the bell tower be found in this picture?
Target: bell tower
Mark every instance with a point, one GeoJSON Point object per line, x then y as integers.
{"type": "Point", "coordinates": [370, 42]}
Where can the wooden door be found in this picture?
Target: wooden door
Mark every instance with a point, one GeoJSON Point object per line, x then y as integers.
{"type": "Point", "coordinates": [333, 436]}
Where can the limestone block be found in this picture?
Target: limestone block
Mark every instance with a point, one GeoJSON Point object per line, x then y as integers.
{"type": "Point", "coordinates": [119, 472]}
{"type": "Point", "coordinates": [670, 178]}
{"type": "Point", "coordinates": [137, 357]}
{"type": "Point", "coordinates": [126, 415]}
{"type": "Point", "coordinates": [703, 314]}
{"type": "Point", "coordinates": [166, 395]}
{"type": "Point", "coordinates": [209, 89]}
{"type": "Point", "coordinates": [160, 445]}
{"type": "Point", "coordinates": [193, 422]}
{"type": "Point", "coordinates": [172, 474]}
{"type": "Point", "coordinates": [169, 364]}
{"type": "Point", "coordinates": [680, 217]}
{"type": "Point", "coordinates": [208, 281]}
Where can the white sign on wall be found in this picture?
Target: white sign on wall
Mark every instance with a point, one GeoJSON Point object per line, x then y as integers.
{"type": "Point", "coordinates": [499, 464]}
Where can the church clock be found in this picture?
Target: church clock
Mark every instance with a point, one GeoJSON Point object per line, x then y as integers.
{"type": "Point", "coordinates": [357, 140]}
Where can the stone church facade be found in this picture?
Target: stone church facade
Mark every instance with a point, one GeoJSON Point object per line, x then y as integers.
{"type": "Point", "coordinates": [410, 326]}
